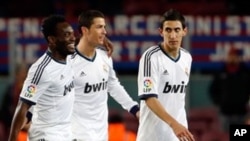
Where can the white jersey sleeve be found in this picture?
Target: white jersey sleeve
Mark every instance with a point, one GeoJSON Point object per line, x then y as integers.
{"type": "Point", "coordinates": [148, 80]}
{"type": "Point", "coordinates": [118, 92]}
{"type": "Point", "coordinates": [31, 91]}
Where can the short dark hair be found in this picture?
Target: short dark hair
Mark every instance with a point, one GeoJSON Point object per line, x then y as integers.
{"type": "Point", "coordinates": [172, 15]}
{"type": "Point", "coordinates": [49, 24]}
{"type": "Point", "coordinates": [86, 18]}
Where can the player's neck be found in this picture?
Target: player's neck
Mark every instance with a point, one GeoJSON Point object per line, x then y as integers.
{"type": "Point", "coordinates": [57, 56]}
{"type": "Point", "coordinates": [172, 52]}
{"type": "Point", "coordinates": [86, 49]}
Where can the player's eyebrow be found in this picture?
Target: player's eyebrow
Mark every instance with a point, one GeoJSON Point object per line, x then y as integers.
{"type": "Point", "coordinates": [175, 28]}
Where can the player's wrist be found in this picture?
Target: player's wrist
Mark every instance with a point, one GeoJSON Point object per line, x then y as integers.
{"type": "Point", "coordinates": [134, 110]}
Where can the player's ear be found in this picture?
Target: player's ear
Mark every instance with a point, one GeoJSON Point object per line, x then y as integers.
{"type": "Point", "coordinates": [51, 39]}
{"type": "Point", "coordinates": [185, 31]}
{"type": "Point", "coordinates": [160, 31]}
{"type": "Point", "coordinates": [84, 29]}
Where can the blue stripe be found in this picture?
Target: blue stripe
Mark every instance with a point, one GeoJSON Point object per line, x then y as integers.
{"type": "Point", "coordinates": [31, 40]}
{"type": "Point", "coordinates": [202, 51]}
{"type": "Point", "coordinates": [219, 38]}
{"type": "Point", "coordinates": [3, 41]}
{"type": "Point", "coordinates": [137, 38]}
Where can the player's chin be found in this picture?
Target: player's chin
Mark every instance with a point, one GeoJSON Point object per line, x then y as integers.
{"type": "Point", "coordinates": [71, 47]}
{"type": "Point", "coordinates": [101, 40]}
{"type": "Point", "coordinates": [100, 43]}
{"type": "Point", "coordinates": [71, 50]}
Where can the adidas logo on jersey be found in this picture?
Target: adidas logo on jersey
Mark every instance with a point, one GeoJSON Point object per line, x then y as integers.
{"type": "Point", "coordinates": [165, 72]}
{"type": "Point", "coordinates": [82, 74]}
{"type": "Point", "coordinates": [61, 77]}
{"type": "Point", "coordinates": [181, 88]}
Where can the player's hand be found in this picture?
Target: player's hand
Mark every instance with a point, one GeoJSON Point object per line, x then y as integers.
{"type": "Point", "coordinates": [109, 46]}
{"type": "Point", "coordinates": [182, 132]}
{"type": "Point", "coordinates": [137, 115]}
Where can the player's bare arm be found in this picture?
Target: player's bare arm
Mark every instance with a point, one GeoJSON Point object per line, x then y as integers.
{"type": "Point", "coordinates": [109, 46]}
{"type": "Point", "coordinates": [19, 120]}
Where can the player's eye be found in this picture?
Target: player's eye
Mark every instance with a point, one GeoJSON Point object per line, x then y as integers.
{"type": "Point", "coordinates": [168, 30]}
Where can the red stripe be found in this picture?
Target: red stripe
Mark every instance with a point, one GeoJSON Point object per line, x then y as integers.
{"type": "Point", "coordinates": [200, 58]}
{"type": "Point", "coordinates": [203, 45]}
{"type": "Point", "coordinates": [3, 60]}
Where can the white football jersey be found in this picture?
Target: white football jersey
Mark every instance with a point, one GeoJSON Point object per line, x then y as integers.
{"type": "Point", "coordinates": [94, 79]}
{"type": "Point", "coordinates": [49, 87]}
{"type": "Point", "coordinates": [165, 78]}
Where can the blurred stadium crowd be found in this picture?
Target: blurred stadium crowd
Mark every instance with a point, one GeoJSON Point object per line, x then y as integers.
{"type": "Point", "coordinates": [40, 8]}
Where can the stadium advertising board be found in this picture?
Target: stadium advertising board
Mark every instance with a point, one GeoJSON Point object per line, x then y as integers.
{"type": "Point", "coordinates": [209, 39]}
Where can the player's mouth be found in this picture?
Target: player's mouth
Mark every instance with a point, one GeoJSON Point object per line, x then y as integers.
{"type": "Point", "coordinates": [173, 42]}
{"type": "Point", "coordinates": [71, 46]}
{"type": "Point", "coordinates": [101, 39]}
